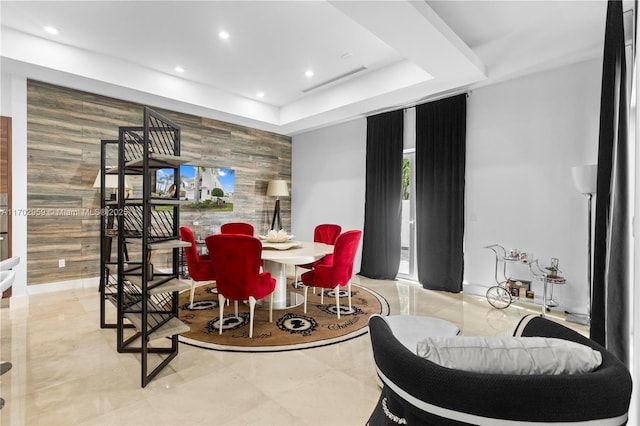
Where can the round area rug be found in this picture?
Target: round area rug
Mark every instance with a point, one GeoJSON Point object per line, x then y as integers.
{"type": "Point", "coordinates": [291, 328]}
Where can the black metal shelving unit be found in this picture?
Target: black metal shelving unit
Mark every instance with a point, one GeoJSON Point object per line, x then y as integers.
{"type": "Point", "coordinates": [108, 284]}
{"type": "Point", "coordinates": [146, 298]}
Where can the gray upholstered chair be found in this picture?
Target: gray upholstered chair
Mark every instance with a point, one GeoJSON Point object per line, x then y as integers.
{"type": "Point", "coordinates": [7, 275]}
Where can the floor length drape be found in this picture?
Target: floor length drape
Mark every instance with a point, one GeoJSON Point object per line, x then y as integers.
{"type": "Point", "coordinates": [611, 265]}
{"type": "Point", "coordinates": [383, 197]}
{"type": "Point", "coordinates": [440, 183]}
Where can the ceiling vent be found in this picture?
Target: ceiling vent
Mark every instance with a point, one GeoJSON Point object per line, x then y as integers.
{"type": "Point", "coordinates": [334, 79]}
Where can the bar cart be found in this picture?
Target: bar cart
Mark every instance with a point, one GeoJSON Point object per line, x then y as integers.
{"type": "Point", "coordinates": [501, 295]}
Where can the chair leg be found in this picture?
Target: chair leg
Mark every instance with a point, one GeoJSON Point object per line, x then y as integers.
{"type": "Point", "coordinates": [235, 304]}
{"type": "Point", "coordinates": [306, 290]}
{"type": "Point", "coordinates": [252, 306]}
{"type": "Point", "coordinates": [321, 296]}
{"type": "Point", "coordinates": [271, 308]}
{"type": "Point", "coordinates": [221, 303]}
{"type": "Point", "coordinates": [193, 289]}
{"type": "Point", "coordinates": [349, 294]}
{"type": "Point", "coordinates": [337, 292]}
{"type": "Point", "coordinates": [296, 280]}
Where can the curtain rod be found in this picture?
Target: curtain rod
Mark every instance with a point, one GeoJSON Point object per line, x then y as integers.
{"type": "Point", "coordinates": [424, 100]}
{"type": "Point", "coordinates": [437, 97]}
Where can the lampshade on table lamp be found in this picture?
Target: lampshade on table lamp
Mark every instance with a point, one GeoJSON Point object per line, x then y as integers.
{"type": "Point", "coordinates": [585, 179]}
{"type": "Point", "coordinates": [110, 181]}
{"type": "Point", "coordinates": [277, 188]}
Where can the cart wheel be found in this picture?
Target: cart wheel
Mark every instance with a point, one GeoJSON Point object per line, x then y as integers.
{"type": "Point", "coordinates": [498, 297]}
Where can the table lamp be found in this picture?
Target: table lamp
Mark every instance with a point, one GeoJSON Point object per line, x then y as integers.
{"type": "Point", "coordinates": [277, 188]}
{"type": "Point", "coordinates": [110, 181]}
{"type": "Point", "coordinates": [585, 180]}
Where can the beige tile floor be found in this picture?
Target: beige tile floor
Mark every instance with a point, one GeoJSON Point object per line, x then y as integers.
{"type": "Point", "coordinates": [66, 370]}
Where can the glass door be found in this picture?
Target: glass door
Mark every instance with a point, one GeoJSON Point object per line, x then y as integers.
{"type": "Point", "coordinates": [408, 231]}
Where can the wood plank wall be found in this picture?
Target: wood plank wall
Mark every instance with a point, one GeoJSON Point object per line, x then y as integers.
{"type": "Point", "coordinates": [5, 154]}
{"type": "Point", "coordinates": [64, 130]}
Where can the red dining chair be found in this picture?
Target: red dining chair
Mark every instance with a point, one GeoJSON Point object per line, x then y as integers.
{"type": "Point", "coordinates": [339, 272]}
{"type": "Point", "coordinates": [199, 265]}
{"type": "Point", "coordinates": [237, 228]}
{"type": "Point", "coordinates": [237, 261]}
{"type": "Point", "coordinates": [324, 233]}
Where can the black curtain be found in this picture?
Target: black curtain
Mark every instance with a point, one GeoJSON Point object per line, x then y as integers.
{"type": "Point", "coordinates": [383, 197]}
{"type": "Point", "coordinates": [440, 170]}
{"type": "Point", "coordinates": [611, 268]}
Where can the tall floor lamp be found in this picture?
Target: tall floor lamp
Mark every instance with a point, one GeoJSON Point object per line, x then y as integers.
{"type": "Point", "coordinates": [277, 188]}
{"type": "Point", "coordinates": [585, 179]}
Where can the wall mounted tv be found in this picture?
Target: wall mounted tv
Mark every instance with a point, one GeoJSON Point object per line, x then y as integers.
{"type": "Point", "coordinates": [205, 187]}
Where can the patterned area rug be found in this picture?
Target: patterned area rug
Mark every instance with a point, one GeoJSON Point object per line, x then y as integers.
{"type": "Point", "coordinates": [291, 328]}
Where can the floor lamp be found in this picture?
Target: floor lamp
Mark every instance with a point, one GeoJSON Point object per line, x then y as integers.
{"type": "Point", "coordinates": [277, 188]}
{"type": "Point", "coordinates": [585, 178]}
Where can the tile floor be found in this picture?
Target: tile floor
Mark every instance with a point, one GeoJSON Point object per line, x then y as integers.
{"type": "Point", "coordinates": [66, 370]}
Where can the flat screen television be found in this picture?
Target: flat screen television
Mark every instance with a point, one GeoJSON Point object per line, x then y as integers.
{"type": "Point", "coordinates": [205, 187]}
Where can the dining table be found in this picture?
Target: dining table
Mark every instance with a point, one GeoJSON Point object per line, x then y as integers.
{"type": "Point", "coordinates": [275, 258]}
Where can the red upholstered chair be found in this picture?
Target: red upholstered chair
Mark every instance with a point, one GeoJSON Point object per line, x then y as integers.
{"type": "Point", "coordinates": [237, 228]}
{"type": "Point", "coordinates": [237, 261]}
{"type": "Point", "coordinates": [324, 233]}
{"type": "Point", "coordinates": [199, 265]}
{"type": "Point", "coordinates": [339, 272]}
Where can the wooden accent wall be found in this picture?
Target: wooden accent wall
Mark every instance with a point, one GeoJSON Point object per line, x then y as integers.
{"type": "Point", "coordinates": [64, 130]}
{"type": "Point", "coordinates": [5, 155]}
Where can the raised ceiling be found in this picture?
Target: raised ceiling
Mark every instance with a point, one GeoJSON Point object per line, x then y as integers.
{"type": "Point", "coordinates": [366, 56]}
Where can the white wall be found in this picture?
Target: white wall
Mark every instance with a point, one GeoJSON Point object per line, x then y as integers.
{"type": "Point", "coordinates": [523, 137]}
{"type": "Point", "coordinates": [634, 410]}
{"type": "Point", "coordinates": [14, 104]}
{"type": "Point", "coordinates": [328, 179]}
{"type": "Point", "coordinates": [5, 94]}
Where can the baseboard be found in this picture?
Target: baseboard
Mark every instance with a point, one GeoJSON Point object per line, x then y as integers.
{"type": "Point", "coordinates": [475, 289]}
{"type": "Point", "coordinates": [92, 282]}
{"type": "Point", "coordinates": [22, 300]}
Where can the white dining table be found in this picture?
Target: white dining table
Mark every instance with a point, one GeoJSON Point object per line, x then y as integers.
{"type": "Point", "coordinates": [276, 257]}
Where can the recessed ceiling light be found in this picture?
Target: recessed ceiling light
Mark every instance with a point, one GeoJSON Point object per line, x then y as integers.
{"type": "Point", "coordinates": [51, 30]}
{"type": "Point", "coordinates": [260, 95]}
{"type": "Point", "coordinates": [308, 73]}
{"type": "Point", "coordinates": [223, 35]}
{"type": "Point", "coordinates": [179, 69]}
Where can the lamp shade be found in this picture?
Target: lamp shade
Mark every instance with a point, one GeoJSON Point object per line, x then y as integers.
{"type": "Point", "coordinates": [110, 181]}
{"type": "Point", "coordinates": [585, 178]}
{"type": "Point", "coordinates": [278, 188]}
